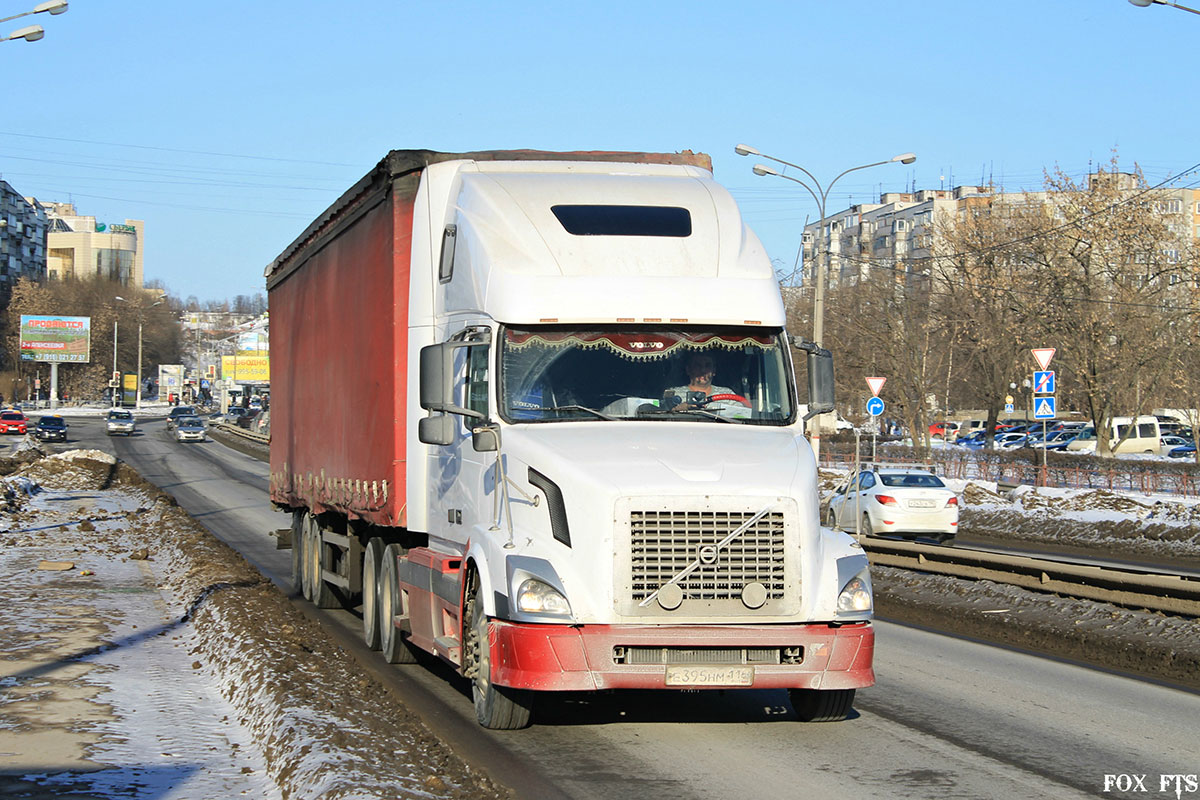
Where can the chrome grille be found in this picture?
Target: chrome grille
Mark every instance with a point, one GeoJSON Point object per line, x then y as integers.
{"type": "Point", "coordinates": [663, 543]}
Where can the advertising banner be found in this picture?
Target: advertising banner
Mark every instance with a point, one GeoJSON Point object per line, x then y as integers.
{"type": "Point", "coordinates": [246, 369]}
{"type": "Point", "coordinates": [129, 388]}
{"type": "Point", "coordinates": [63, 339]}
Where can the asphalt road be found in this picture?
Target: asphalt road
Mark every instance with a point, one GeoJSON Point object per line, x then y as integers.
{"type": "Point", "coordinates": [948, 717]}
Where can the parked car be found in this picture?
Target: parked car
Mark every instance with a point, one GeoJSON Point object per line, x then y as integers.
{"type": "Point", "coordinates": [179, 411]}
{"type": "Point", "coordinates": [51, 428]}
{"type": "Point", "coordinates": [1183, 451]}
{"type": "Point", "coordinates": [1008, 441]}
{"type": "Point", "coordinates": [1057, 440]}
{"type": "Point", "coordinates": [947, 430]}
{"type": "Point", "coordinates": [119, 421]}
{"type": "Point", "coordinates": [13, 422]}
{"type": "Point", "coordinates": [190, 429]}
{"type": "Point", "coordinates": [895, 499]}
{"type": "Point", "coordinates": [1169, 441]}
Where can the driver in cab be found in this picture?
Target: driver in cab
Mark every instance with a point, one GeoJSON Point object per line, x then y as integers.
{"type": "Point", "coordinates": [700, 389]}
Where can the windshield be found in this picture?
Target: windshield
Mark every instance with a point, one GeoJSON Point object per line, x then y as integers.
{"type": "Point", "coordinates": [732, 375]}
{"type": "Point", "coordinates": [119, 415]}
{"type": "Point", "coordinates": [922, 481]}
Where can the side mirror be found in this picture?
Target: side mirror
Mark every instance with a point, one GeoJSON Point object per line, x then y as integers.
{"type": "Point", "coordinates": [820, 379]}
{"type": "Point", "coordinates": [437, 378]}
{"type": "Point", "coordinates": [485, 438]}
{"type": "Point", "coordinates": [439, 430]}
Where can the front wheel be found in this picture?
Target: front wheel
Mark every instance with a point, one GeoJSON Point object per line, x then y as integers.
{"type": "Point", "coordinates": [396, 649]}
{"type": "Point", "coordinates": [821, 705]}
{"type": "Point", "coordinates": [496, 707]}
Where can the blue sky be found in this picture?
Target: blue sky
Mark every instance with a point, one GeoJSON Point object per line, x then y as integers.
{"type": "Point", "coordinates": [228, 127]}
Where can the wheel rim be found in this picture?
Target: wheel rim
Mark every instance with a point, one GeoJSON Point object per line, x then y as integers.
{"type": "Point", "coordinates": [369, 604]}
{"type": "Point", "coordinates": [386, 610]}
{"type": "Point", "coordinates": [481, 680]}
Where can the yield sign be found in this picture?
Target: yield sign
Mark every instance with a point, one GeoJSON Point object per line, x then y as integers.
{"type": "Point", "coordinates": [1043, 355]}
{"type": "Point", "coordinates": [876, 384]}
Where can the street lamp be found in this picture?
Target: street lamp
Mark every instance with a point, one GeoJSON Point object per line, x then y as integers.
{"type": "Point", "coordinates": [1148, 3]}
{"type": "Point", "coordinates": [32, 33]}
{"type": "Point", "coordinates": [820, 195]}
{"type": "Point", "coordinates": [141, 309]}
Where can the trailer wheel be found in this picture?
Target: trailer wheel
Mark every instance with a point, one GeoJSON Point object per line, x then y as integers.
{"type": "Point", "coordinates": [298, 552]}
{"type": "Point", "coordinates": [371, 561]}
{"type": "Point", "coordinates": [821, 705]}
{"type": "Point", "coordinates": [396, 649]}
{"type": "Point", "coordinates": [321, 593]}
{"type": "Point", "coordinates": [496, 707]}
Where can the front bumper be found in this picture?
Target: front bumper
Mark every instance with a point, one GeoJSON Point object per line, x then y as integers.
{"type": "Point", "coordinates": [581, 658]}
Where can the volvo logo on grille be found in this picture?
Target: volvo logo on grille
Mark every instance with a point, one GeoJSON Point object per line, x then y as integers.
{"type": "Point", "coordinates": [708, 555]}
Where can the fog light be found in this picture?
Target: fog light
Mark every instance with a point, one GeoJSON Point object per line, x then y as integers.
{"type": "Point", "coordinates": [537, 597]}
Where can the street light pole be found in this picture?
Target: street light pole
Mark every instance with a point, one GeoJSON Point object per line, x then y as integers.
{"type": "Point", "coordinates": [1148, 3]}
{"type": "Point", "coordinates": [820, 261]}
{"type": "Point", "coordinates": [32, 33]}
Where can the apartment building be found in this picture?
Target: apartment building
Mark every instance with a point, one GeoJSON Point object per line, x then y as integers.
{"type": "Point", "coordinates": [79, 246]}
{"type": "Point", "coordinates": [23, 224]}
{"type": "Point", "coordinates": [896, 234]}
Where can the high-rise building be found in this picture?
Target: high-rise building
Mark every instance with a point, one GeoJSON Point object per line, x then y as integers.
{"type": "Point", "coordinates": [23, 225]}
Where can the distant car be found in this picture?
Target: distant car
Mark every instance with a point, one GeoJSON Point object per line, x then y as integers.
{"type": "Point", "coordinates": [247, 420]}
{"type": "Point", "coordinates": [119, 421]}
{"type": "Point", "coordinates": [13, 422]}
{"type": "Point", "coordinates": [895, 500]}
{"type": "Point", "coordinates": [233, 415]}
{"type": "Point", "coordinates": [1057, 440]}
{"type": "Point", "coordinates": [51, 428]}
{"type": "Point", "coordinates": [179, 411]}
{"type": "Point", "coordinates": [1009, 441]}
{"type": "Point", "coordinates": [189, 429]}
{"type": "Point", "coordinates": [1170, 441]}
{"type": "Point", "coordinates": [1182, 451]}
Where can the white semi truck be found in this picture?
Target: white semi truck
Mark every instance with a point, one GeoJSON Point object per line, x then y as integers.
{"type": "Point", "coordinates": [535, 413]}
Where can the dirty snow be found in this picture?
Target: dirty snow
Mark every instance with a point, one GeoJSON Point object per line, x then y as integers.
{"type": "Point", "coordinates": [161, 665]}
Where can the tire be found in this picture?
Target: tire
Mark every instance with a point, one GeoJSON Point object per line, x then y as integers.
{"type": "Point", "coordinates": [396, 648]}
{"type": "Point", "coordinates": [322, 592]}
{"type": "Point", "coordinates": [305, 584]}
{"type": "Point", "coordinates": [817, 705]}
{"type": "Point", "coordinates": [831, 521]}
{"type": "Point", "coordinates": [867, 530]}
{"type": "Point", "coordinates": [371, 560]}
{"type": "Point", "coordinates": [497, 708]}
{"type": "Point", "coordinates": [298, 552]}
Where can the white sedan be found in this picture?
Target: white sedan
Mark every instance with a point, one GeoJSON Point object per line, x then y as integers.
{"type": "Point", "coordinates": [887, 500]}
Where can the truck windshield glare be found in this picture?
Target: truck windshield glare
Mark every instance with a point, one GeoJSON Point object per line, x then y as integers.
{"type": "Point", "coordinates": [733, 375]}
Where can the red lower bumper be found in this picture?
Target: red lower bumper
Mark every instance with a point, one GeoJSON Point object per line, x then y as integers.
{"type": "Point", "coordinates": [566, 658]}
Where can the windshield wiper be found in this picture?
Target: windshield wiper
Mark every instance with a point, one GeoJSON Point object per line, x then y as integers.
{"type": "Point", "coordinates": [599, 414]}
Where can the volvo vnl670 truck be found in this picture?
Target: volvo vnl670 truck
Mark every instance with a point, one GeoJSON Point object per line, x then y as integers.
{"type": "Point", "coordinates": [536, 413]}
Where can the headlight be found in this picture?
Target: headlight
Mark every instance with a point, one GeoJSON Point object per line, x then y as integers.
{"type": "Point", "coordinates": [855, 597]}
{"type": "Point", "coordinates": [536, 597]}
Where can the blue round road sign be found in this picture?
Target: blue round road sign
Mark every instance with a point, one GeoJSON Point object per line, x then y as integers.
{"type": "Point", "coordinates": [874, 406]}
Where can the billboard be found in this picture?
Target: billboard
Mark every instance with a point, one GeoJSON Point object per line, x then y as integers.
{"type": "Point", "coordinates": [246, 369]}
{"type": "Point", "coordinates": [63, 339]}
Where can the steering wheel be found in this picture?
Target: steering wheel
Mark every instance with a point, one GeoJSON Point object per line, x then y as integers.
{"type": "Point", "coordinates": [736, 397]}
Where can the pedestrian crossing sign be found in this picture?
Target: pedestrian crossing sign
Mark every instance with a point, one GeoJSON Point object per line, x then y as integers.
{"type": "Point", "coordinates": [1044, 408]}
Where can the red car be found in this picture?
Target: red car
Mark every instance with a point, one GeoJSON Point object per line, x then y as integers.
{"type": "Point", "coordinates": [13, 422]}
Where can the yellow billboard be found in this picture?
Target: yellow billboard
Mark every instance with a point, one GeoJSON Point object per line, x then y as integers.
{"type": "Point", "coordinates": [246, 369]}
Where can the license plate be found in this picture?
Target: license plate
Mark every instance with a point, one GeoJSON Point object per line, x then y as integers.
{"type": "Point", "coordinates": [710, 676]}
{"type": "Point", "coordinates": [921, 504]}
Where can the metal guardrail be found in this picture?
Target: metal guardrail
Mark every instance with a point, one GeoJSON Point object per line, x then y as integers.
{"type": "Point", "coordinates": [1170, 594]}
{"type": "Point", "coordinates": [242, 432]}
